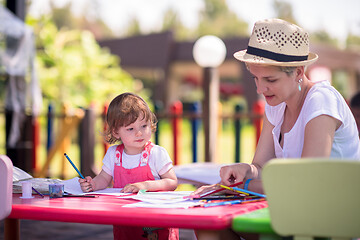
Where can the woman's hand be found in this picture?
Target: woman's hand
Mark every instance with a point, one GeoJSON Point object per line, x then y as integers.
{"type": "Point", "coordinates": [87, 184]}
{"type": "Point", "coordinates": [234, 173]}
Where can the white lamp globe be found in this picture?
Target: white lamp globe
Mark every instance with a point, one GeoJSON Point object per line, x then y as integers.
{"type": "Point", "coordinates": [209, 51]}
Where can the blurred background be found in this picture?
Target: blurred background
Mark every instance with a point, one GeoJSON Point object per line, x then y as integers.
{"type": "Point", "coordinates": [63, 61]}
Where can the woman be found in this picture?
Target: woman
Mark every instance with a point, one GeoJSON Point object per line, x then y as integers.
{"type": "Point", "coordinates": [302, 118]}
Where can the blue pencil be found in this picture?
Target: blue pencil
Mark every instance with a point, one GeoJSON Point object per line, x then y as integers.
{"type": "Point", "coordinates": [249, 192]}
{"type": "Point", "coordinates": [214, 204]}
{"type": "Point", "coordinates": [222, 203]}
{"type": "Point", "coordinates": [74, 166]}
{"type": "Point", "coordinates": [37, 192]}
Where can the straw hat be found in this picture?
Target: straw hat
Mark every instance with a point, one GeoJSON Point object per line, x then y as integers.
{"type": "Point", "coordinates": [277, 42]}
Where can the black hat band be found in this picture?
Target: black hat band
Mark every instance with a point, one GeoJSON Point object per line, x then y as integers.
{"type": "Point", "coordinates": [275, 56]}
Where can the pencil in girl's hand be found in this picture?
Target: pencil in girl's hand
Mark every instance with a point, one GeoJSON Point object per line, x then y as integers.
{"type": "Point", "coordinates": [74, 166]}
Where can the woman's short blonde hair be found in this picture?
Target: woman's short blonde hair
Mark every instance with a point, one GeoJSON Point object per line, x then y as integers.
{"type": "Point", "coordinates": [289, 70]}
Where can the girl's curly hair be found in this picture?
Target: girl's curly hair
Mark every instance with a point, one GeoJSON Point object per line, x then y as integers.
{"type": "Point", "coordinates": [124, 110]}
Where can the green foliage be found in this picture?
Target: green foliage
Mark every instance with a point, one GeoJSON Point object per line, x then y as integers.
{"type": "Point", "coordinates": [284, 11]}
{"type": "Point", "coordinates": [340, 80]}
{"type": "Point", "coordinates": [214, 9]}
{"type": "Point", "coordinates": [62, 17]}
{"type": "Point", "coordinates": [324, 38]}
{"type": "Point", "coordinates": [172, 22]}
{"type": "Point", "coordinates": [217, 19]}
{"type": "Point", "coordinates": [134, 27]}
{"type": "Point", "coordinates": [353, 42]}
{"type": "Point", "coordinates": [72, 67]}
{"type": "Point", "coordinates": [88, 20]}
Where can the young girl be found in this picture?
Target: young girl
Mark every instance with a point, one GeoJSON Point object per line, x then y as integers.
{"type": "Point", "coordinates": [136, 163]}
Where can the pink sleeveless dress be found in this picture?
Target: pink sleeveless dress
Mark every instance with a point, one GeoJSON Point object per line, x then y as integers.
{"type": "Point", "coordinates": [123, 176]}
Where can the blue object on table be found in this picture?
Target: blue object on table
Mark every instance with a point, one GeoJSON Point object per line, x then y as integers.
{"type": "Point", "coordinates": [56, 190]}
{"type": "Point", "coordinates": [249, 192]}
{"type": "Point", "coordinates": [74, 166]}
{"type": "Point", "coordinates": [223, 203]}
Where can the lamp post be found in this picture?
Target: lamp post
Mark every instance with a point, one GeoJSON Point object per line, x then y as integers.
{"type": "Point", "coordinates": [209, 52]}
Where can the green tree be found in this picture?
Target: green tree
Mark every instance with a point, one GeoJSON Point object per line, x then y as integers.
{"type": "Point", "coordinates": [88, 20]}
{"type": "Point", "coordinates": [62, 17]}
{"type": "Point", "coordinates": [322, 37]}
{"type": "Point", "coordinates": [353, 42]}
{"type": "Point", "coordinates": [172, 22]}
{"type": "Point", "coordinates": [283, 10]}
{"type": "Point", "coordinates": [73, 68]}
{"type": "Point", "coordinates": [217, 19]}
{"type": "Point", "coordinates": [133, 28]}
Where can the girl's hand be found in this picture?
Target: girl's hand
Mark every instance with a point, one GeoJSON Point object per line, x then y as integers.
{"type": "Point", "coordinates": [133, 188]}
{"type": "Point", "coordinates": [204, 189]}
{"type": "Point", "coordinates": [87, 184]}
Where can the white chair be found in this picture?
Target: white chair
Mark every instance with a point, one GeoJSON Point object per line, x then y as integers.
{"type": "Point", "coordinates": [6, 179]}
{"type": "Point", "coordinates": [316, 197]}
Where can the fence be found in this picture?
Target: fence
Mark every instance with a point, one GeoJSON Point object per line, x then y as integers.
{"type": "Point", "coordinates": [81, 123]}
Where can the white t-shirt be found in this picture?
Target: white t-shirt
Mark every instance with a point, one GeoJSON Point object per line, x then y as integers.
{"type": "Point", "coordinates": [159, 161]}
{"type": "Point", "coordinates": [321, 99]}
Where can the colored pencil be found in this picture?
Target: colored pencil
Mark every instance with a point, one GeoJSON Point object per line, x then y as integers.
{"type": "Point", "coordinates": [231, 202]}
{"type": "Point", "coordinates": [219, 197]}
{"type": "Point", "coordinates": [237, 190]}
{"type": "Point", "coordinates": [219, 190]}
{"type": "Point", "coordinates": [74, 166]}
{"type": "Point", "coordinates": [37, 192]}
{"type": "Point", "coordinates": [225, 197]}
{"type": "Point", "coordinates": [249, 192]}
{"type": "Point", "coordinates": [86, 196]}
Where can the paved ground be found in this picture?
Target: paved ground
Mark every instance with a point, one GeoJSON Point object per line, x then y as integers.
{"type": "Point", "coordinates": [42, 230]}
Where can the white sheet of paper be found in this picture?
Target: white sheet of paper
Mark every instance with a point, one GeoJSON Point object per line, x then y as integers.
{"type": "Point", "coordinates": [72, 186]}
{"type": "Point", "coordinates": [198, 173]}
{"type": "Point", "coordinates": [110, 191]}
{"type": "Point", "coordinates": [185, 204]}
{"type": "Point", "coordinates": [161, 197]}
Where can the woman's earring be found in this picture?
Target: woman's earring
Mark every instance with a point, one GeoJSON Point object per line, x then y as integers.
{"type": "Point", "coordinates": [300, 80]}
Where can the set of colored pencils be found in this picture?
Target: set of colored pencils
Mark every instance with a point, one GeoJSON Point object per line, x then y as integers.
{"type": "Point", "coordinates": [241, 196]}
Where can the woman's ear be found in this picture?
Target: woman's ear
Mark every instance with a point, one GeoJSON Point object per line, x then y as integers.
{"type": "Point", "coordinates": [300, 71]}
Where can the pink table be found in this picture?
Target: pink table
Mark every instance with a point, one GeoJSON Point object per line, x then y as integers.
{"type": "Point", "coordinates": [109, 210]}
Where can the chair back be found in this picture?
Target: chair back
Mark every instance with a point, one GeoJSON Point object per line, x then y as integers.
{"type": "Point", "coordinates": [6, 188]}
{"type": "Point", "coordinates": [313, 197]}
